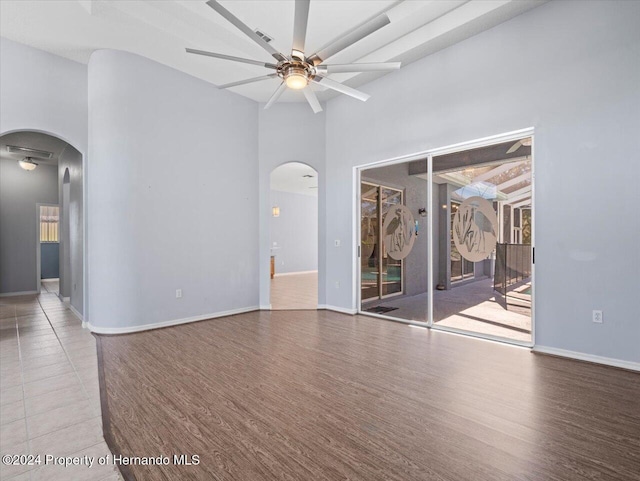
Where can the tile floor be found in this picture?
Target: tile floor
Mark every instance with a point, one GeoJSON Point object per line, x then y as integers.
{"type": "Point", "coordinates": [50, 285]}
{"type": "Point", "coordinates": [49, 393]}
{"type": "Point", "coordinates": [472, 307]}
{"type": "Point", "coordinates": [294, 291]}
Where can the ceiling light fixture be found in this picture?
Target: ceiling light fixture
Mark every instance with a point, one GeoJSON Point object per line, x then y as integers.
{"type": "Point", "coordinates": [297, 70]}
{"type": "Point", "coordinates": [296, 76]}
{"type": "Point", "coordinates": [27, 163]}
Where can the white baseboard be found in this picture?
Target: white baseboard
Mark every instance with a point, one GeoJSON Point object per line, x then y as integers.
{"type": "Point", "coordinates": [581, 356]}
{"type": "Point", "coordinates": [294, 273]}
{"type": "Point", "coordinates": [67, 302]}
{"type": "Point", "coordinates": [173, 322]}
{"type": "Point", "coordinates": [265, 307]}
{"type": "Point", "coordinates": [21, 293]}
{"type": "Point", "coordinates": [342, 310]}
{"type": "Point", "coordinates": [77, 313]}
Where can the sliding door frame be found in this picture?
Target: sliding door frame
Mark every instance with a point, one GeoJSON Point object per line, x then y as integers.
{"type": "Point", "coordinates": [379, 214]}
{"type": "Point", "coordinates": [428, 155]}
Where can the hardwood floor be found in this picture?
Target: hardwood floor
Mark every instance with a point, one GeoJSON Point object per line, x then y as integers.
{"type": "Point", "coordinates": [317, 395]}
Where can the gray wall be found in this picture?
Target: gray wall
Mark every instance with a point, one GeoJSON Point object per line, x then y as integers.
{"type": "Point", "coordinates": [20, 191]}
{"type": "Point", "coordinates": [303, 133]}
{"type": "Point", "coordinates": [42, 92]}
{"type": "Point", "coordinates": [45, 93]}
{"type": "Point", "coordinates": [569, 69]}
{"type": "Point", "coordinates": [415, 197]}
{"type": "Point", "coordinates": [172, 195]}
{"type": "Point", "coordinates": [295, 231]}
{"type": "Point", "coordinates": [49, 260]}
{"type": "Point", "coordinates": [72, 221]}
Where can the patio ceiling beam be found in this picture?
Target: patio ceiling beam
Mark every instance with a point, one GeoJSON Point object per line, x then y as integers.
{"type": "Point", "coordinates": [517, 198]}
{"type": "Point", "coordinates": [518, 192]}
{"type": "Point", "coordinates": [522, 203]}
{"type": "Point", "coordinates": [454, 178]}
{"type": "Point", "coordinates": [514, 181]}
{"type": "Point", "coordinates": [499, 170]}
{"type": "Point", "coordinates": [371, 192]}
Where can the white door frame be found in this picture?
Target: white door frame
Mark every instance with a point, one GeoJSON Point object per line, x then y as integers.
{"type": "Point", "coordinates": [429, 154]}
{"type": "Point", "coordinates": [38, 243]}
{"type": "Point", "coordinates": [357, 175]}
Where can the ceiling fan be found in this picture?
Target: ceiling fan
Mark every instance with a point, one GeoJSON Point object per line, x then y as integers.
{"type": "Point", "coordinates": [522, 142]}
{"type": "Point", "coordinates": [297, 70]}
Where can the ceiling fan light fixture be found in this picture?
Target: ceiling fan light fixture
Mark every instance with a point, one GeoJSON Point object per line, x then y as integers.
{"type": "Point", "coordinates": [297, 70]}
{"type": "Point", "coordinates": [296, 77]}
{"type": "Point", "coordinates": [27, 164]}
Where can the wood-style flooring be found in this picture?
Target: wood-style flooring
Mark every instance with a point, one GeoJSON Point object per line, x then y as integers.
{"type": "Point", "coordinates": [317, 395]}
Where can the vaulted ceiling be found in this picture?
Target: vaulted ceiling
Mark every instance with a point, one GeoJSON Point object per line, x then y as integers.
{"type": "Point", "coordinates": [161, 29]}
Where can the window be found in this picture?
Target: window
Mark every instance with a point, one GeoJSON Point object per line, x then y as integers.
{"type": "Point", "coordinates": [49, 222]}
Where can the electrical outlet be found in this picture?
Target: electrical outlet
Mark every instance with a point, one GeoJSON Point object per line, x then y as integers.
{"type": "Point", "coordinates": [597, 316]}
{"type": "Point", "coordinates": [178, 293]}
{"type": "Point", "coordinates": [336, 242]}
{"type": "Point", "coordinates": [337, 284]}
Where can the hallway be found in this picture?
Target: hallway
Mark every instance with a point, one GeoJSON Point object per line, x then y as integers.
{"type": "Point", "coordinates": [51, 286]}
{"type": "Point", "coordinates": [294, 291]}
{"type": "Point", "coordinates": [49, 389]}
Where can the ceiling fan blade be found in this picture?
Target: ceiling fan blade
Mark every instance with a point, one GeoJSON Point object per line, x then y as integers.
{"type": "Point", "coordinates": [230, 57]}
{"type": "Point", "coordinates": [514, 147]}
{"type": "Point", "coordinates": [300, 26]}
{"type": "Point", "coordinates": [332, 84]}
{"type": "Point", "coordinates": [359, 67]}
{"type": "Point", "coordinates": [276, 95]}
{"type": "Point", "coordinates": [248, 81]}
{"type": "Point", "coordinates": [245, 29]}
{"type": "Point", "coordinates": [349, 39]}
{"type": "Point", "coordinates": [311, 97]}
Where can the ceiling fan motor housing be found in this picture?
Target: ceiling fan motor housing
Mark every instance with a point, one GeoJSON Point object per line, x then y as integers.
{"type": "Point", "coordinates": [297, 74]}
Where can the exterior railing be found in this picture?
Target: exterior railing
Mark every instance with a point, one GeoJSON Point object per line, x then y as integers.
{"type": "Point", "coordinates": [513, 265]}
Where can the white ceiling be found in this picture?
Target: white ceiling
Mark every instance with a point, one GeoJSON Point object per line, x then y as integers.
{"type": "Point", "coordinates": [161, 29]}
{"type": "Point", "coordinates": [295, 177]}
{"type": "Point", "coordinates": [32, 140]}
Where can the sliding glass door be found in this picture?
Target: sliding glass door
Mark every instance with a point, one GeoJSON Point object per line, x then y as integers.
{"type": "Point", "coordinates": [447, 240]}
{"type": "Point", "coordinates": [381, 274]}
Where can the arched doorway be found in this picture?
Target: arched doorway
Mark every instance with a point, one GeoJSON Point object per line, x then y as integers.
{"type": "Point", "coordinates": [41, 190]}
{"type": "Point", "coordinates": [294, 237]}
